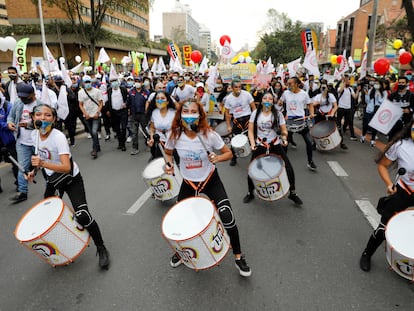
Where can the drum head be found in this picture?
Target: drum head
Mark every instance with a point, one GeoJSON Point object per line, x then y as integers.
{"type": "Point", "coordinates": [39, 219]}
{"type": "Point", "coordinates": [222, 130]}
{"type": "Point", "coordinates": [187, 218]}
{"type": "Point", "coordinates": [239, 141]}
{"type": "Point", "coordinates": [400, 232]}
{"type": "Point", "coordinates": [323, 129]}
{"type": "Point", "coordinates": [266, 167]}
{"type": "Point", "coordinates": [154, 169]}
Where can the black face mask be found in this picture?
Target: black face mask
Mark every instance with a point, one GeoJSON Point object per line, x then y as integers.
{"type": "Point", "coordinates": [401, 86]}
{"type": "Point", "coordinates": [59, 83]}
{"type": "Point", "coordinates": [12, 76]}
{"type": "Point", "coordinates": [26, 100]}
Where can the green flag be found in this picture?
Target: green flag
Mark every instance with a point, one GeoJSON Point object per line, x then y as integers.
{"type": "Point", "coordinates": [19, 55]}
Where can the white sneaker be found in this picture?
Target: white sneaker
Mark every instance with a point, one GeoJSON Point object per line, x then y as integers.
{"type": "Point", "coordinates": [129, 139]}
{"type": "Point", "coordinates": [372, 143]}
{"type": "Point", "coordinates": [134, 151]}
{"type": "Point", "coordinates": [362, 139]}
{"type": "Point", "coordinates": [89, 136]}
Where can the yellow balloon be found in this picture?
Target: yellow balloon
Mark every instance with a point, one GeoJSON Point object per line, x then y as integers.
{"type": "Point", "coordinates": [397, 44]}
{"type": "Point", "coordinates": [334, 59]}
{"type": "Point", "coordinates": [412, 48]}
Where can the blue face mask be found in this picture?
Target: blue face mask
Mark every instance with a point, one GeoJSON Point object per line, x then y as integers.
{"type": "Point", "coordinates": [161, 103]}
{"type": "Point", "coordinates": [130, 84]}
{"type": "Point", "coordinates": [88, 85]}
{"type": "Point", "coordinates": [409, 77]}
{"type": "Point", "coordinates": [267, 105]}
{"type": "Point", "coordinates": [190, 119]}
{"type": "Point", "coordinates": [115, 84]}
{"type": "Point", "coordinates": [45, 127]}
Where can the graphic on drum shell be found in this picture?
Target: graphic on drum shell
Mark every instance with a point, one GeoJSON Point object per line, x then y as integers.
{"type": "Point", "coordinates": [163, 186]}
{"type": "Point", "coordinates": [399, 235]}
{"type": "Point", "coordinates": [269, 177]}
{"type": "Point", "coordinates": [194, 230]}
{"type": "Point", "coordinates": [241, 146]}
{"type": "Point", "coordinates": [51, 232]}
{"type": "Point", "coordinates": [326, 135]}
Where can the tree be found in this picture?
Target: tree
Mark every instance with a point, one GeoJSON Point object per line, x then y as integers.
{"type": "Point", "coordinates": [409, 10]}
{"type": "Point", "coordinates": [90, 32]}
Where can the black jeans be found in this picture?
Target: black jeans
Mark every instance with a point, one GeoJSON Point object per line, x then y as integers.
{"type": "Point", "coordinates": [348, 116]}
{"type": "Point", "coordinates": [76, 193]}
{"type": "Point", "coordinates": [214, 189]}
{"type": "Point", "coordinates": [308, 141]}
{"type": "Point", "coordinates": [119, 119]}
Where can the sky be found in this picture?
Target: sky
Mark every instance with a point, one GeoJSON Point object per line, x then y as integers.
{"type": "Point", "coordinates": [241, 20]}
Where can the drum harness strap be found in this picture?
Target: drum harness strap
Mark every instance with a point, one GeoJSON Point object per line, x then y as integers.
{"type": "Point", "coordinates": [246, 124]}
{"type": "Point", "coordinates": [199, 188]}
{"type": "Point", "coordinates": [406, 188]}
{"type": "Point", "coordinates": [265, 144]}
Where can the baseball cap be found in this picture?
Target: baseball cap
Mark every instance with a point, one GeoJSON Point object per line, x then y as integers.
{"type": "Point", "coordinates": [199, 84]}
{"type": "Point", "coordinates": [24, 89]}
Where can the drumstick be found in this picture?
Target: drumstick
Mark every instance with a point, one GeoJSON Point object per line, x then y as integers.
{"type": "Point", "coordinates": [13, 160]}
{"type": "Point", "coordinates": [401, 171]}
{"type": "Point", "coordinates": [38, 124]}
{"type": "Point", "coordinates": [157, 141]}
{"type": "Point", "coordinates": [143, 132]}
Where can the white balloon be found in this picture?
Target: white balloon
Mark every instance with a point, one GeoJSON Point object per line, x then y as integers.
{"type": "Point", "coordinates": [248, 59]}
{"type": "Point", "coordinates": [78, 58]}
{"type": "Point", "coordinates": [241, 59]}
{"type": "Point", "coordinates": [10, 43]}
{"type": "Point", "coordinates": [401, 51]}
{"type": "Point", "coordinates": [3, 44]}
{"type": "Point", "coordinates": [62, 60]}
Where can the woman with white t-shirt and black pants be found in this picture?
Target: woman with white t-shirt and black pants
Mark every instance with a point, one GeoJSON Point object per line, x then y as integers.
{"type": "Point", "coordinates": [54, 156]}
{"type": "Point", "coordinates": [199, 172]}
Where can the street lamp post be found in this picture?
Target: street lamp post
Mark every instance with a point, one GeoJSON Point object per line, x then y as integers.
{"type": "Point", "coordinates": [372, 33]}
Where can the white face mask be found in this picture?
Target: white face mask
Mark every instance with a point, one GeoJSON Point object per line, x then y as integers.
{"type": "Point", "coordinates": [377, 86]}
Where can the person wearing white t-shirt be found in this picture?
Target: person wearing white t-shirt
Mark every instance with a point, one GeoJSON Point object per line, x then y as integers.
{"type": "Point", "coordinates": [197, 166]}
{"type": "Point", "coordinates": [295, 101]}
{"type": "Point", "coordinates": [183, 91]}
{"type": "Point", "coordinates": [19, 120]}
{"type": "Point", "coordinates": [238, 106]}
{"type": "Point", "coordinates": [264, 124]}
{"type": "Point", "coordinates": [399, 150]}
{"type": "Point", "coordinates": [54, 157]}
{"type": "Point", "coordinates": [161, 112]}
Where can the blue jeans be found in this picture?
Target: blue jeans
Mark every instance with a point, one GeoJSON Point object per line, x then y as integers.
{"type": "Point", "coordinates": [24, 157]}
{"type": "Point", "coordinates": [93, 125]}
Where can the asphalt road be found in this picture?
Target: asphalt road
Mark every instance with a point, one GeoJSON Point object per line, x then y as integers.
{"type": "Point", "coordinates": [302, 258]}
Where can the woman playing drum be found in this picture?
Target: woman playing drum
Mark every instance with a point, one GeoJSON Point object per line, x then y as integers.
{"type": "Point", "coordinates": [401, 150]}
{"type": "Point", "coordinates": [54, 157]}
{"type": "Point", "coordinates": [194, 141]}
{"type": "Point", "coordinates": [264, 125]}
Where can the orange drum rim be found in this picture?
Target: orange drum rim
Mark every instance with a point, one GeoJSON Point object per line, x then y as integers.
{"type": "Point", "coordinates": [200, 232]}
{"type": "Point", "coordinates": [267, 155]}
{"type": "Point", "coordinates": [48, 229]}
{"type": "Point", "coordinates": [321, 123]}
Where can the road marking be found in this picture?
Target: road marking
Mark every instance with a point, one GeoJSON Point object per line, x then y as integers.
{"type": "Point", "coordinates": [369, 212]}
{"type": "Point", "coordinates": [139, 203]}
{"type": "Point", "coordinates": [337, 169]}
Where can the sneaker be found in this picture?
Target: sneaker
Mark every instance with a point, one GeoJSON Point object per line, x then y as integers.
{"type": "Point", "coordinates": [99, 136]}
{"type": "Point", "coordinates": [72, 145]}
{"type": "Point", "coordinates": [19, 197]}
{"type": "Point", "coordinates": [312, 166]}
{"type": "Point", "coordinates": [233, 162]}
{"type": "Point", "coordinates": [295, 198]}
{"type": "Point", "coordinates": [103, 254]}
{"type": "Point", "coordinates": [242, 266]}
{"type": "Point", "coordinates": [134, 151]}
{"type": "Point", "coordinates": [94, 154]}
{"type": "Point", "coordinates": [365, 262]}
{"type": "Point", "coordinates": [175, 261]}
{"type": "Point", "coordinates": [362, 139]}
{"type": "Point", "coordinates": [353, 138]}
{"type": "Point", "coordinates": [107, 137]}
{"type": "Point", "coordinates": [293, 144]}
{"type": "Point", "coordinates": [129, 139]}
{"type": "Point", "coordinates": [123, 148]}
{"type": "Point", "coordinates": [89, 136]}
{"type": "Point", "coordinates": [343, 146]}
{"type": "Point", "coordinates": [372, 143]}
{"type": "Point", "coordinates": [314, 146]}
{"type": "Point", "coordinates": [249, 196]}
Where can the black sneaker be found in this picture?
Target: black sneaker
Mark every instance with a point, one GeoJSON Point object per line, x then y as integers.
{"type": "Point", "coordinates": [365, 262]}
{"type": "Point", "coordinates": [343, 146]}
{"type": "Point", "coordinates": [244, 269]}
{"type": "Point", "coordinates": [312, 166]}
{"type": "Point", "coordinates": [233, 162]}
{"type": "Point", "coordinates": [103, 254]}
{"type": "Point", "coordinates": [293, 144]}
{"type": "Point", "coordinates": [175, 261]}
{"type": "Point", "coordinates": [249, 196]}
{"type": "Point", "coordinates": [19, 197]}
{"type": "Point", "coordinates": [295, 198]}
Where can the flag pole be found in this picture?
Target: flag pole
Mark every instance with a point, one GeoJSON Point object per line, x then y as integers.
{"type": "Point", "coordinates": [42, 31]}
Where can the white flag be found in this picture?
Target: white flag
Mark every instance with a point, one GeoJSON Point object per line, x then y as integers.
{"type": "Point", "coordinates": [12, 92]}
{"type": "Point", "coordinates": [363, 72]}
{"type": "Point", "coordinates": [204, 65]}
{"type": "Point", "coordinates": [337, 75]}
{"type": "Point", "coordinates": [65, 74]}
{"type": "Point", "coordinates": [161, 66]}
{"type": "Point", "coordinates": [212, 78]}
{"type": "Point", "coordinates": [62, 103]}
{"type": "Point", "coordinates": [53, 64]}
{"type": "Point", "coordinates": [293, 66]}
{"type": "Point", "coordinates": [103, 56]}
{"type": "Point", "coordinates": [104, 89]}
{"type": "Point", "coordinates": [269, 68]}
{"type": "Point", "coordinates": [280, 71]}
{"type": "Point", "coordinates": [112, 73]}
{"type": "Point", "coordinates": [351, 64]}
{"type": "Point", "coordinates": [170, 64]}
{"type": "Point", "coordinates": [343, 66]}
{"type": "Point", "coordinates": [78, 68]}
{"type": "Point", "coordinates": [227, 51]}
{"type": "Point", "coordinates": [311, 63]}
{"type": "Point", "coordinates": [144, 64]}
{"type": "Point", "coordinates": [45, 95]}
{"type": "Point", "coordinates": [386, 116]}
{"type": "Point", "coordinates": [154, 67]}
